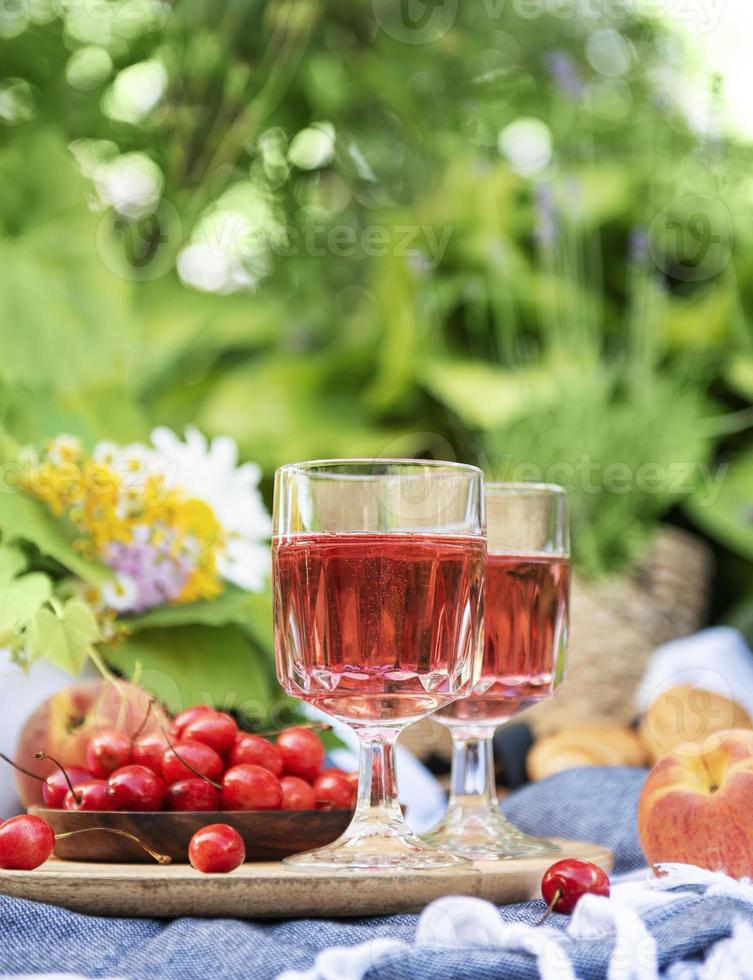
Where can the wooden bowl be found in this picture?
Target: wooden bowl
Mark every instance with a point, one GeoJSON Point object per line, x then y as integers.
{"type": "Point", "coordinates": [269, 835]}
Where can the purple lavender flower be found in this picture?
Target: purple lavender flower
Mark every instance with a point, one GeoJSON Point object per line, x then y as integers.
{"type": "Point", "coordinates": [565, 75]}
{"type": "Point", "coordinates": [147, 573]}
{"type": "Point", "coordinates": [545, 228]}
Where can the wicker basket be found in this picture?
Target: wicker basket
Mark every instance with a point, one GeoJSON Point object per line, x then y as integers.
{"type": "Point", "coordinates": [615, 626]}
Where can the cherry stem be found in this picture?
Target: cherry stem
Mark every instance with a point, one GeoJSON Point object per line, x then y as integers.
{"type": "Point", "coordinates": [159, 858]}
{"type": "Point", "coordinates": [71, 787]}
{"type": "Point", "coordinates": [142, 726]}
{"type": "Point", "coordinates": [550, 908]}
{"type": "Point", "coordinates": [217, 786]}
{"type": "Point", "coordinates": [314, 726]}
{"type": "Point", "coordinates": [26, 772]}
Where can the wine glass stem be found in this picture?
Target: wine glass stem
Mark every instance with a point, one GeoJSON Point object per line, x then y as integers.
{"type": "Point", "coordinates": [377, 783]}
{"type": "Point", "coordinates": [473, 782]}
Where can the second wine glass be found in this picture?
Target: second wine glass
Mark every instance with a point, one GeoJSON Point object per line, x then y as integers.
{"type": "Point", "coordinates": [526, 613]}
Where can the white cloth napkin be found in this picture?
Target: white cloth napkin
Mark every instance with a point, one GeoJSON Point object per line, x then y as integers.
{"type": "Point", "coordinates": [716, 659]}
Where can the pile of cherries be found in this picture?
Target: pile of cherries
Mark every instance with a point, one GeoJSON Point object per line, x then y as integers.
{"type": "Point", "coordinates": [204, 763]}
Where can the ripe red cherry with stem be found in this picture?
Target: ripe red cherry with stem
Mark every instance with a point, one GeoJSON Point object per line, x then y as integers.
{"type": "Point", "coordinates": [333, 792]}
{"type": "Point", "coordinates": [136, 788]}
{"type": "Point", "coordinates": [108, 751]}
{"type": "Point", "coordinates": [302, 752]}
{"type": "Point", "coordinates": [28, 841]}
{"type": "Point", "coordinates": [248, 787]}
{"type": "Point", "coordinates": [216, 849]}
{"type": "Point", "coordinates": [567, 881]}
{"type": "Point", "coordinates": [192, 795]}
{"type": "Point", "coordinates": [257, 751]}
{"type": "Point", "coordinates": [25, 843]}
{"type": "Point", "coordinates": [185, 759]}
{"type": "Point", "coordinates": [297, 794]}
{"type": "Point", "coordinates": [148, 751]}
{"type": "Point", "coordinates": [190, 714]}
{"type": "Point", "coordinates": [213, 728]}
{"type": "Point", "coordinates": [91, 795]}
{"type": "Point", "coordinates": [56, 786]}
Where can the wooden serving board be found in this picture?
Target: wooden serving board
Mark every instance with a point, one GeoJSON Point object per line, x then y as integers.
{"type": "Point", "coordinates": [272, 890]}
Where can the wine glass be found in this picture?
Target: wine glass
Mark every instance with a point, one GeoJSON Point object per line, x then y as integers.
{"type": "Point", "coordinates": [378, 569]}
{"type": "Point", "coordinates": [526, 623]}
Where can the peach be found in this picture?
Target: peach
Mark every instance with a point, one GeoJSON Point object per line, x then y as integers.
{"type": "Point", "coordinates": [63, 725]}
{"type": "Point", "coordinates": [695, 805]}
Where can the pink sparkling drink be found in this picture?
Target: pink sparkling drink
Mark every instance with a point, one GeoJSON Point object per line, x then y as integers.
{"type": "Point", "coordinates": [377, 627]}
{"type": "Point", "coordinates": [526, 616]}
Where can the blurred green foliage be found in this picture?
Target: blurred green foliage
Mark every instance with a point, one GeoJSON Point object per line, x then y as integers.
{"type": "Point", "coordinates": [285, 221]}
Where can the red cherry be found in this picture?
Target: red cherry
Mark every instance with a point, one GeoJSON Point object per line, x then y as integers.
{"type": "Point", "coordinates": [215, 729]}
{"type": "Point", "coordinates": [248, 787]}
{"type": "Point", "coordinates": [257, 751]}
{"type": "Point", "coordinates": [333, 791]}
{"type": "Point", "coordinates": [200, 758]}
{"type": "Point", "coordinates": [148, 751]}
{"type": "Point", "coordinates": [91, 795]}
{"type": "Point", "coordinates": [25, 843]}
{"type": "Point", "coordinates": [108, 751]}
{"type": "Point", "coordinates": [189, 715]}
{"type": "Point", "coordinates": [216, 849]}
{"type": "Point", "coordinates": [136, 788]}
{"type": "Point", "coordinates": [352, 778]}
{"type": "Point", "coordinates": [567, 881]}
{"type": "Point", "coordinates": [192, 796]}
{"type": "Point", "coordinates": [297, 794]}
{"type": "Point", "coordinates": [302, 752]}
{"type": "Point", "coordinates": [56, 786]}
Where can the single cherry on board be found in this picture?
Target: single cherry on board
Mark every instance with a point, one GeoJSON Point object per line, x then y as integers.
{"type": "Point", "coordinates": [216, 849]}
{"type": "Point", "coordinates": [567, 881]}
{"type": "Point", "coordinates": [25, 843]}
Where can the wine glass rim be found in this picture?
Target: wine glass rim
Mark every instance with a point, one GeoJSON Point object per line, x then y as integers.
{"type": "Point", "coordinates": [309, 466]}
{"type": "Point", "coordinates": [523, 487]}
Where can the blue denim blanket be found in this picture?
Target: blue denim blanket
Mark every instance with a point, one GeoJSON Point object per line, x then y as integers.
{"type": "Point", "coordinates": [591, 804]}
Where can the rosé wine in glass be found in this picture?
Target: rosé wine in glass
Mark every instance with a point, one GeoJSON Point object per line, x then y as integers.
{"type": "Point", "coordinates": [526, 623]}
{"type": "Point", "coordinates": [526, 609]}
{"type": "Point", "coordinates": [376, 626]}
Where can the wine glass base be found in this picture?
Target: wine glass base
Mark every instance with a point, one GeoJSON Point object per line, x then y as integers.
{"type": "Point", "coordinates": [378, 848]}
{"type": "Point", "coordinates": [481, 834]}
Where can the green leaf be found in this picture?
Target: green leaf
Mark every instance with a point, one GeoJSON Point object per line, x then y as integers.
{"type": "Point", "coordinates": [21, 599]}
{"type": "Point", "coordinates": [739, 376]}
{"type": "Point", "coordinates": [250, 609]}
{"type": "Point", "coordinates": [23, 518]}
{"type": "Point", "coordinates": [12, 563]}
{"type": "Point", "coordinates": [65, 640]}
{"type": "Point", "coordinates": [485, 397]}
{"type": "Point", "coordinates": [199, 665]}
